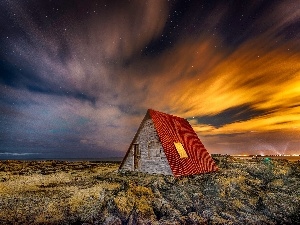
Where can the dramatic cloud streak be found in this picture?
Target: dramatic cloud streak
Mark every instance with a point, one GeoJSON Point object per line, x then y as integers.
{"type": "Point", "coordinates": [76, 79]}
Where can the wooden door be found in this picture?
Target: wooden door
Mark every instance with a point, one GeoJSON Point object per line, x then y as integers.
{"type": "Point", "coordinates": [136, 156]}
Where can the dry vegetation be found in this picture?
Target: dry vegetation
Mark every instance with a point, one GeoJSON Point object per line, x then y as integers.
{"type": "Point", "coordinates": [241, 192]}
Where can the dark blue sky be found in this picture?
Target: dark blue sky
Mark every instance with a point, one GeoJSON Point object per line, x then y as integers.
{"type": "Point", "coordinates": [77, 77]}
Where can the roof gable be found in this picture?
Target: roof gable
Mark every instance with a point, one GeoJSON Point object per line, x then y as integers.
{"type": "Point", "coordinates": [147, 116]}
{"type": "Point", "coordinates": [172, 129]}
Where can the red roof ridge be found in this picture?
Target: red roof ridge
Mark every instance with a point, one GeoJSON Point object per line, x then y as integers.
{"type": "Point", "coordinates": [167, 114]}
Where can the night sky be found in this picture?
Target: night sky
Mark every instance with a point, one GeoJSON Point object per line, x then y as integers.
{"type": "Point", "coordinates": [77, 77]}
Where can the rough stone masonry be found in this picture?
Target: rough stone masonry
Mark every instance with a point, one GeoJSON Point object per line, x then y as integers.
{"type": "Point", "coordinates": [152, 156]}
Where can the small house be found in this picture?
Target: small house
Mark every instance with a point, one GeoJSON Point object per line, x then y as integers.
{"type": "Point", "coordinates": [167, 144]}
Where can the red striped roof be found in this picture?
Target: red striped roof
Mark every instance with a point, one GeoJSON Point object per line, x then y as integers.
{"type": "Point", "coordinates": [172, 129]}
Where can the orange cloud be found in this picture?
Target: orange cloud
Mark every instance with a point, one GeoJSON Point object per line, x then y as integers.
{"type": "Point", "coordinates": [203, 81]}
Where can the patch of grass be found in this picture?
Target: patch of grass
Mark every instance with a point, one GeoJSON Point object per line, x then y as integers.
{"type": "Point", "coordinates": [249, 191]}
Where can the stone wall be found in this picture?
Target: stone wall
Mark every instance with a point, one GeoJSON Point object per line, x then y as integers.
{"type": "Point", "coordinates": [152, 156]}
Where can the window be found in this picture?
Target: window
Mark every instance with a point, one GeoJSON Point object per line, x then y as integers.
{"type": "Point", "coordinates": [180, 149]}
{"type": "Point", "coordinates": [136, 150]}
{"type": "Point", "coordinates": [154, 149]}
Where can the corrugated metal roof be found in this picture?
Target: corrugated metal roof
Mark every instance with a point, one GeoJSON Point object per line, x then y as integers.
{"type": "Point", "coordinates": [172, 129]}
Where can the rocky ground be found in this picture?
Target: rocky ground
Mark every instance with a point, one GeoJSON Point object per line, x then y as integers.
{"type": "Point", "coordinates": [60, 192]}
